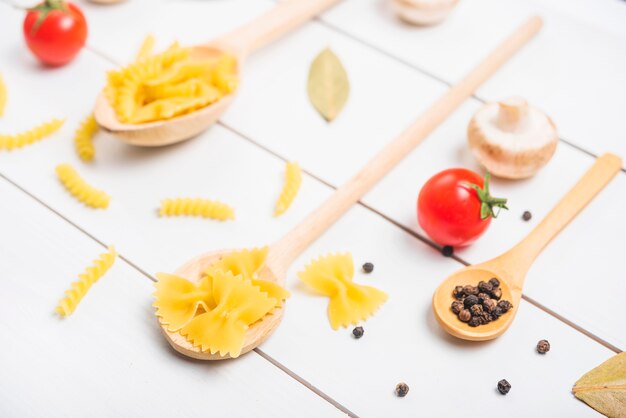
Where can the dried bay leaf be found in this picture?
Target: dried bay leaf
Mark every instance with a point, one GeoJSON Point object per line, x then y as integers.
{"type": "Point", "coordinates": [328, 85]}
{"type": "Point", "coordinates": [604, 388]}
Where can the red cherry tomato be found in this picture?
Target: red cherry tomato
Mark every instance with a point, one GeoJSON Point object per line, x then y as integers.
{"type": "Point", "coordinates": [55, 31]}
{"type": "Point", "coordinates": [454, 207]}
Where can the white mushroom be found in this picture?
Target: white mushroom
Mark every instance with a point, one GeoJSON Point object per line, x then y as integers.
{"type": "Point", "coordinates": [423, 12]}
{"type": "Point", "coordinates": [511, 138]}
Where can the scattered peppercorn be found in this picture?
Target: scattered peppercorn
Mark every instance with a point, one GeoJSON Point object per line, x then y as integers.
{"type": "Point", "coordinates": [479, 305]}
{"type": "Point", "coordinates": [457, 306]}
{"type": "Point", "coordinates": [358, 332]}
{"type": "Point", "coordinates": [504, 387]}
{"type": "Point", "coordinates": [402, 389]}
{"type": "Point", "coordinates": [368, 267]}
{"type": "Point", "coordinates": [527, 216]}
{"type": "Point", "coordinates": [447, 251]}
{"type": "Point", "coordinates": [465, 315]}
{"type": "Point", "coordinates": [543, 346]}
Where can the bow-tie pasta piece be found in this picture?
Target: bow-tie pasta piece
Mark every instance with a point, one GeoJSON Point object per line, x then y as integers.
{"type": "Point", "coordinates": [349, 303]}
{"type": "Point", "coordinates": [238, 304]}
{"type": "Point", "coordinates": [177, 300]}
{"type": "Point", "coordinates": [248, 263]}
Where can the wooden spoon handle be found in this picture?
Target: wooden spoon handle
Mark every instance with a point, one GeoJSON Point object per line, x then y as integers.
{"type": "Point", "coordinates": [520, 258]}
{"type": "Point", "coordinates": [283, 18]}
{"type": "Point", "coordinates": [288, 248]}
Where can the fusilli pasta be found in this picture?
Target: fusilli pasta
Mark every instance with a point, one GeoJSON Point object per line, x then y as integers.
{"type": "Point", "coordinates": [9, 142]}
{"type": "Point", "coordinates": [145, 50]}
{"type": "Point", "coordinates": [79, 288]}
{"type": "Point", "coordinates": [293, 179]}
{"type": "Point", "coordinates": [349, 302]}
{"type": "Point", "coordinates": [197, 207]}
{"type": "Point", "coordinates": [78, 188]}
{"type": "Point", "coordinates": [83, 139]}
{"type": "Point", "coordinates": [3, 96]}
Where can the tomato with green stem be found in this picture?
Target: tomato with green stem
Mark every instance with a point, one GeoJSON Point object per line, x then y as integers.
{"type": "Point", "coordinates": [55, 31]}
{"type": "Point", "coordinates": [455, 207]}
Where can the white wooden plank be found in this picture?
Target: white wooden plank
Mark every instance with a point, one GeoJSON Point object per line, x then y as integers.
{"type": "Point", "coordinates": [573, 70]}
{"type": "Point", "coordinates": [109, 358]}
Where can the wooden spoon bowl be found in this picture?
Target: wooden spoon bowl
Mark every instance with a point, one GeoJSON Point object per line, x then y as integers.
{"type": "Point", "coordinates": [472, 275]}
{"type": "Point", "coordinates": [255, 335]}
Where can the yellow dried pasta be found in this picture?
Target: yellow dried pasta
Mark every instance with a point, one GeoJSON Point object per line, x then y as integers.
{"type": "Point", "coordinates": [170, 84]}
{"type": "Point", "coordinates": [349, 303]}
{"type": "Point", "coordinates": [205, 208]}
{"type": "Point", "coordinates": [238, 304]}
{"type": "Point", "coordinates": [293, 179]}
{"type": "Point", "coordinates": [9, 142]}
{"type": "Point", "coordinates": [80, 189]}
{"type": "Point", "coordinates": [177, 300]}
{"type": "Point", "coordinates": [79, 288]}
{"type": "Point", "coordinates": [146, 48]}
{"type": "Point", "coordinates": [83, 139]}
{"type": "Point", "coordinates": [247, 263]}
{"type": "Point", "coordinates": [3, 96]}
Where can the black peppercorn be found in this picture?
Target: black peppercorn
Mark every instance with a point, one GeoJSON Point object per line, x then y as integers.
{"type": "Point", "coordinates": [457, 307]}
{"type": "Point", "coordinates": [368, 267]}
{"type": "Point", "coordinates": [402, 389]}
{"type": "Point", "coordinates": [485, 287]}
{"type": "Point", "coordinates": [495, 283]}
{"type": "Point", "coordinates": [358, 332]}
{"type": "Point", "coordinates": [496, 313]}
{"type": "Point", "coordinates": [458, 292]}
{"type": "Point", "coordinates": [505, 305]}
{"type": "Point", "coordinates": [470, 301]}
{"type": "Point", "coordinates": [527, 216]}
{"type": "Point", "coordinates": [470, 290]}
{"type": "Point", "coordinates": [475, 321]}
{"type": "Point", "coordinates": [483, 297]}
{"type": "Point", "coordinates": [543, 346]}
{"type": "Point", "coordinates": [476, 310]}
{"type": "Point", "coordinates": [504, 387]}
{"type": "Point", "coordinates": [489, 305]}
{"type": "Point", "coordinates": [447, 251]}
{"type": "Point", "coordinates": [465, 315]}
{"type": "Point", "coordinates": [486, 317]}
{"type": "Point", "coordinates": [496, 293]}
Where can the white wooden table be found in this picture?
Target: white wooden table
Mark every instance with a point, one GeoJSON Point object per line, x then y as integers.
{"type": "Point", "coordinates": [109, 359]}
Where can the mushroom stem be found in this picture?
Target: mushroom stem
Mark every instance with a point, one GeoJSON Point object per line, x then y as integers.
{"type": "Point", "coordinates": [512, 114]}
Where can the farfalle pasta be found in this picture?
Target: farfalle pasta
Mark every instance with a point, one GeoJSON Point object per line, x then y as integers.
{"type": "Point", "coordinates": [9, 142]}
{"type": "Point", "coordinates": [79, 288]}
{"type": "Point", "coordinates": [349, 302]}
{"type": "Point", "coordinates": [3, 96]}
{"type": "Point", "coordinates": [293, 179]}
{"type": "Point", "coordinates": [205, 208]}
{"type": "Point", "coordinates": [83, 139]}
{"type": "Point", "coordinates": [248, 264]}
{"type": "Point", "coordinates": [169, 84]}
{"type": "Point", "coordinates": [80, 189]}
{"type": "Point", "coordinates": [212, 314]}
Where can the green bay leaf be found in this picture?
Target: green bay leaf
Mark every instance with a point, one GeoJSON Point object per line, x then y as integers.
{"type": "Point", "coordinates": [328, 85]}
{"type": "Point", "coordinates": [604, 388]}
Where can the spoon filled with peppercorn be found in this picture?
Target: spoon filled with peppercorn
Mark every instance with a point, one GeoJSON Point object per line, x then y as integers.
{"type": "Point", "coordinates": [479, 302]}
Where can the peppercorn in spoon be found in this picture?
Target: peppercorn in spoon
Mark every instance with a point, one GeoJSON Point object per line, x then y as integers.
{"type": "Point", "coordinates": [283, 18]}
{"type": "Point", "coordinates": [510, 268]}
{"type": "Point", "coordinates": [285, 251]}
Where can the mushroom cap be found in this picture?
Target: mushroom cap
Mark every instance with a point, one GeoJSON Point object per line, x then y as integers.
{"type": "Point", "coordinates": [512, 139]}
{"type": "Point", "coordinates": [423, 12]}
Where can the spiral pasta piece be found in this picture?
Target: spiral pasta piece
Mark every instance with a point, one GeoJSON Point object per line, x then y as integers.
{"type": "Point", "coordinates": [83, 139]}
{"type": "Point", "coordinates": [9, 142]}
{"type": "Point", "coordinates": [145, 50]}
{"type": "Point", "coordinates": [79, 288]}
{"type": "Point", "coordinates": [3, 96]}
{"type": "Point", "coordinates": [205, 208]}
{"type": "Point", "coordinates": [293, 179]}
{"type": "Point", "coordinates": [80, 189]}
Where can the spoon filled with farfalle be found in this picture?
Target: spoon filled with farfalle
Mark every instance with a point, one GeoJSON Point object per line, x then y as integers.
{"type": "Point", "coordinates": [223, 304]}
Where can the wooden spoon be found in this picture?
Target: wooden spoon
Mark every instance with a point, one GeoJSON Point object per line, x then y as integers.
{"type": "Point", "coordinates": [283, 18]}
{"type": "Point", "coordinates": [510, 268]}
{"type": "Point", "coordinates": [284, 252]}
